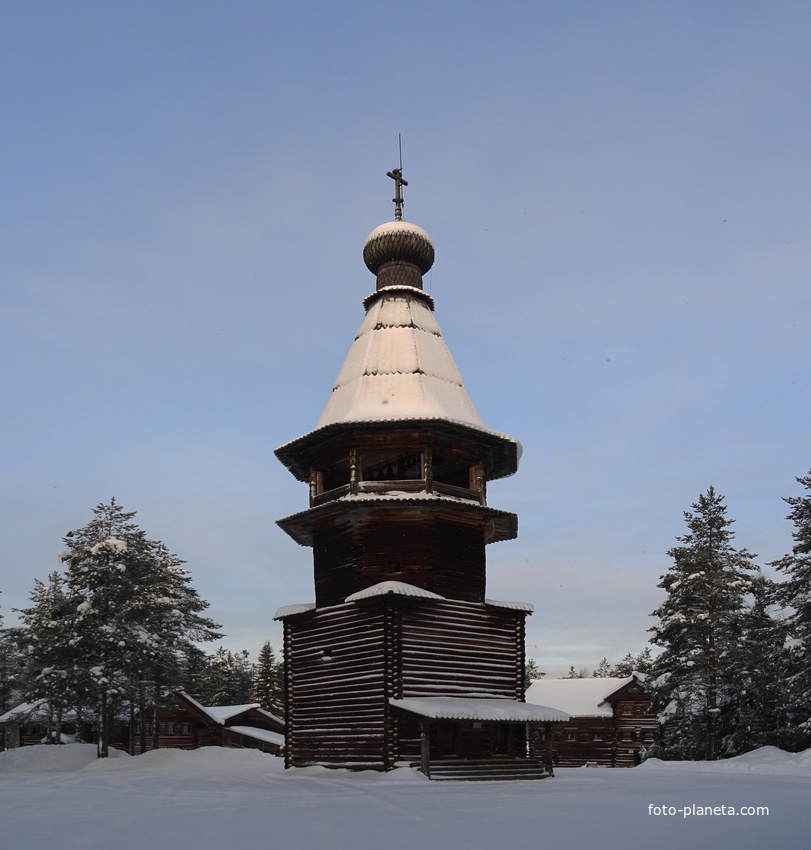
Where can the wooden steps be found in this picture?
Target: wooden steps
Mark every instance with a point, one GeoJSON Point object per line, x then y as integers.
{"type": "Point", "coordinates": [491, 769]}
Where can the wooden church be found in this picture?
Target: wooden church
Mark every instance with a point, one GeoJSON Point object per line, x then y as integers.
{"type": "Point", "coordinates": [402, 658]}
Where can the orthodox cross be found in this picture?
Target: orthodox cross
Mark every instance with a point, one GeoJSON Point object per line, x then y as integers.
{"type": "Point", "coordinates": [397, 176]}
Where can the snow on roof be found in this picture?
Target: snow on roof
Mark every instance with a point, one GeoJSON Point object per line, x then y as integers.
{"type": "Point", "coordinates": [399, 366]}
{"type": "Point", "coordinates": [222, 713]}
{"type": "Point", "coordinates": [37, 711]}
{"type": "Point", "coordinates": [470, 708]}
{"type": "Point", "coordinates": [24, 711]}
{"type": "Point", "coordinates": [259, 734]}
{"type": "Point", "coordinates": [398, 227]}
{"type": "Point", "coordinates": [270, 715]}
{"type": "Point", "coordinates": [289, 610]}
{"type": "Point", "coordinates": [219, 713]}
{"type": "Point", "coordinates": [578, 697]}
{"type": "Point", "coordinates": [516, 606]}
{"type": "Point", "coordinates": [404, 495]}
{"type": "Point", "coordinates": [400, 588]}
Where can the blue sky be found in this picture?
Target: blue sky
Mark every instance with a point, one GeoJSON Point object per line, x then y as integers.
{"type": "Point", "coordinates": [619, 196]}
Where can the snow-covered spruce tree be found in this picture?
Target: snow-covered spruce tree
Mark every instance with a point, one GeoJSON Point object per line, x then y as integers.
{"type": "Point", "coordinates": [700, 625]}
{"type": "Point", "coordinates": [531, 671]}
{"type": "Point", "coordinates": [134, 612]}
{"type": "Point", "coordinates": [757, 715]}
{"type": "Point", "coordinates": [268, 681]}
{"type": "Point", "coordinates": [602, 670]}
{"type": "Point", "coordinates": [194, 672]}
{"type": "Point", "coordinates": [51, 657]}
{"type": "Point", "coordinates": [10, 664]}
{"type": "Point", "coordinates": [229, 680]}
{"type": "Point", "coordinates": [795, 595]}
{"type": "Point", "coordinates": [633, 664]}
{"type": "Point", "coordinates": [5, 669]}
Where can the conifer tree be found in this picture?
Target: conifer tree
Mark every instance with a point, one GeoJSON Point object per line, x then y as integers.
{"type": "Point", "coordinates": [758, 715]}
{"type": "Point", "coordinates": [229, 680]}
{"type": "Point", "coordinates": [10, 668]}
{"type": "Point", "coordinates": [194, 672]}
{"type": "Point", "coordinates": [700, 625]}
{"type": "Point", "coordinates": [602, 670]}
{"type": "Point", "coordinates": [795, 595]}
{"type": "Point", "coordinates": [133, 612]}
{"type": "Point", "coordinates": [268, 681]}
{"type": "Point", "coordinates": [633, 664]}
{"type": "Point", "coordinates": [5, 672]}
{"type": "Point", "coordinates": [52, 659]}
{"type": "Point", "coordinates": [531, 671]}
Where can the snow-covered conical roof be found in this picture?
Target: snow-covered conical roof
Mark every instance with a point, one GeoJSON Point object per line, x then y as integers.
{"type": "Point", "coordinates": [399, 367]}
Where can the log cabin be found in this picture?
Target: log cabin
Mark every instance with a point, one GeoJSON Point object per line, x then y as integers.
{"type": "Point", "coordinates": [402, 658]}
{"type": "Point", "coordinates": [610, 725]}
{"type": "Point", "coordinates": [186, 726]}
{"type": "Point", "coordinates": [29, 723]}
{"type": "Point", "coordinates": [247, 726]}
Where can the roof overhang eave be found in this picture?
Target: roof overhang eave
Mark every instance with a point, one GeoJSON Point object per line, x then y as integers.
{"type": "Point", "coordinates": [300, 525]}
{"type": "Point", "coordinates": [506, 450]}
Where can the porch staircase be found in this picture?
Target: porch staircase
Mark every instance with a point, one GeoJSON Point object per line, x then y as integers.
{"type": "Point", "coordinates": [491, 769]}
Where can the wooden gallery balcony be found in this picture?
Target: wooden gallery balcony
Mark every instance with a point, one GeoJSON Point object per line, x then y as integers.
{"type": "Point", "coordinates": [398, 475]}
{"type": "Point", "coordinates": [436, 488]}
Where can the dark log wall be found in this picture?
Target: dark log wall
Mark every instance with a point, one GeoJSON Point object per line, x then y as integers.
{"type": "Point", "coordinates": [336, 703]}
{"type": "Point", "coordinates": [579, 742]}
{"type": "Point", "coordinates": [615, 741]}
{"type": "Point", "coordinates": [334, 563]}
{"type": "Point", "coordinates": [397, 547]}
{"type": "Point", "coordinates": [455, 648]}
{"type": "Point", "coordinates": [343, 663]}
{"type": "Point", "coordinates": [409, 546]}
{"type": "Point", "coordinates": [460, 557]}
{"type": "Point", "coordinates": [636, 729]}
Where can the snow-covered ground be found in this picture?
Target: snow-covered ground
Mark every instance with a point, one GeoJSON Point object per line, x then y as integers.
{"type": "Point", "coordinates": [60, 798]}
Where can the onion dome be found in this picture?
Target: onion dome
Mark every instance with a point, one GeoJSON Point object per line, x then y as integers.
{"type": "Point", "coordinates": [399, 253]}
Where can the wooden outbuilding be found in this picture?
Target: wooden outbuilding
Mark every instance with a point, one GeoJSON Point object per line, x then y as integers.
{"type": "Point", "coordinates": [29, 723]}
{"type": "Point", "coordinates": [186, 726]}
{"type": "Point", "coordinates": [247, 726]}
{"type": "Point", "coordinates": [398, 520]}
{"type": "Point", "coordinates": [610, 724]}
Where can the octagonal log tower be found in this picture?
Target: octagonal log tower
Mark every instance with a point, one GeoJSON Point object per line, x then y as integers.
{"type": "Point", "coordinates": [402, 657]}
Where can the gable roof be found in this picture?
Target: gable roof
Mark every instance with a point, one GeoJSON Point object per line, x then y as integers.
{"type": "Point", "coordinates": [221, 714]}
{"type": "Point", "coordinates": [578, 697]}
{"type": "Point", "coordinates": [26, 712]}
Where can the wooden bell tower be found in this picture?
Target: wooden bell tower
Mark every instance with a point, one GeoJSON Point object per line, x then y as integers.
{"type": "Point", "coordinates": [401, 657]}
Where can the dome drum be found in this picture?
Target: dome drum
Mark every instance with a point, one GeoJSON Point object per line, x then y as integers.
{"type": "Point", "coordinates": [398, 273]}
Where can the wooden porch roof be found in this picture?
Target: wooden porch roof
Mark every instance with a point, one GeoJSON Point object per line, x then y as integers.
{"type": "Point", "coordinates": [477, 709]}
